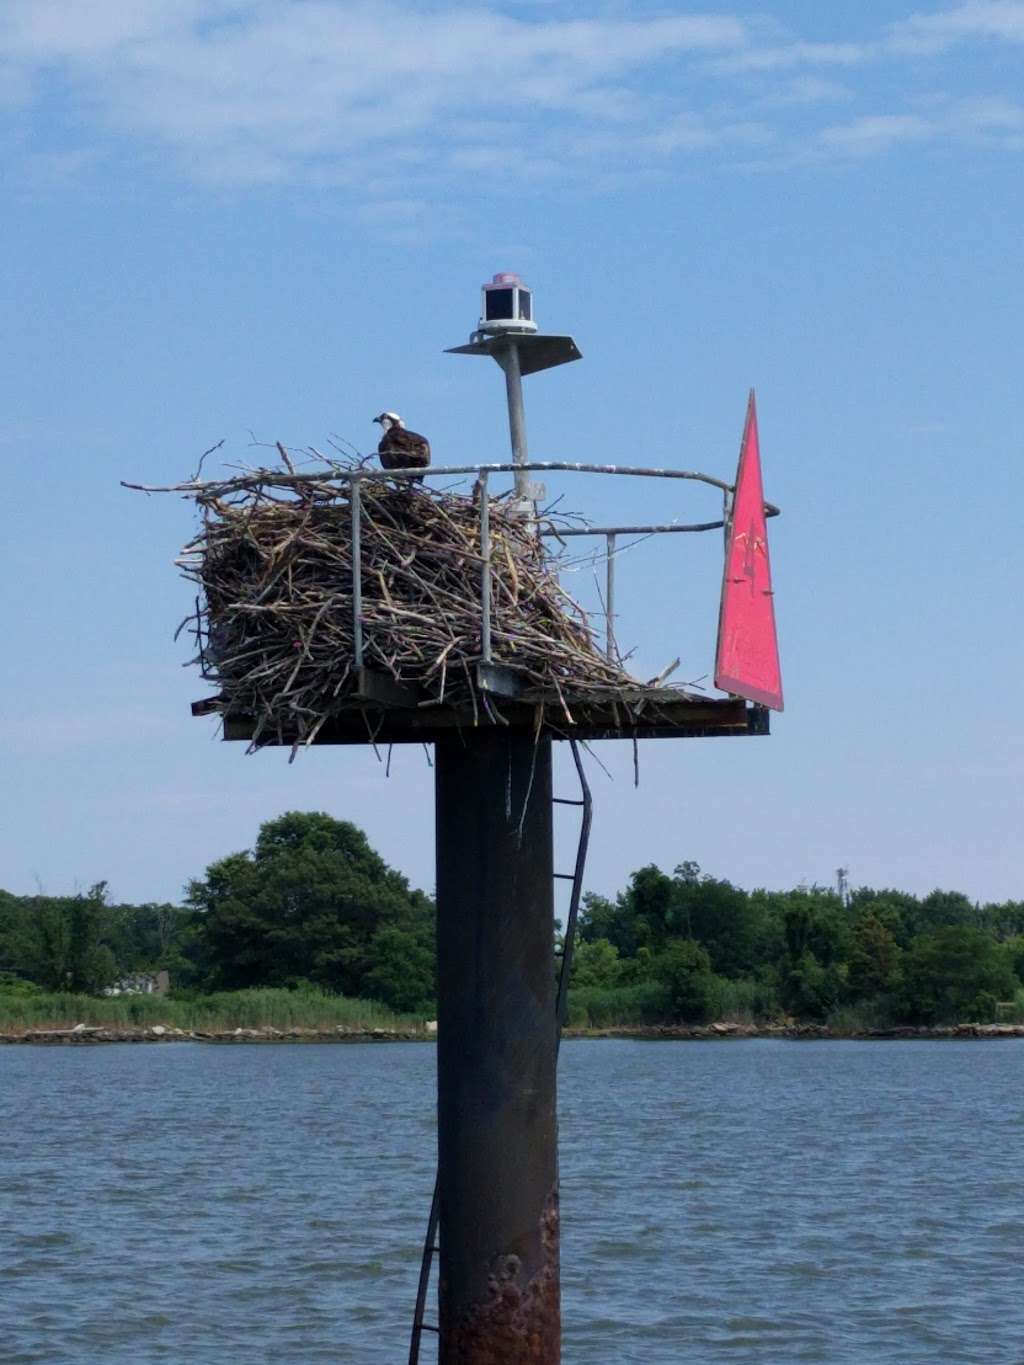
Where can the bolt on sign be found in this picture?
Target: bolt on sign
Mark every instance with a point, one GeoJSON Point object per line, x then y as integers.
{"type": "Point", "coordinates": [747, 662]}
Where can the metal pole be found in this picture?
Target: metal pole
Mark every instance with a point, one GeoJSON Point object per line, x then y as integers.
{"type": "Point", "coordinates": [355, 506]}
{"type": "Point", "coordinates": [497, 1125]}
{"type": "Point", "coordinates": [516, 414]}
{"type": "Point", "coordinates": [609, 597]}
{"type": "Point", "coordinates": [485, 570]}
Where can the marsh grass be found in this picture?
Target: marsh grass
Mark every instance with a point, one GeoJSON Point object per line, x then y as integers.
{"type": "Point", "coordinates": [280, 1009]}
{"type": "Point", "coordinates": [649, 1002]}
{"type": "Point", "coordinates": [745, 1002]}
{"type": "Point", "coordinates": [863, 1017]}
{"type": "Point", "coordinates": [611, 1006]}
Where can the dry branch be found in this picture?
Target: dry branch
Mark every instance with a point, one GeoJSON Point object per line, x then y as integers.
{"type": "Point", "coordinates": [274, 624]}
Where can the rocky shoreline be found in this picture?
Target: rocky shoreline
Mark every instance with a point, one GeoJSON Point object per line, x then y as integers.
{"type": "Point", "coordinates": [88, 1034]}
{"type": "Point", "coordinates": [801, 1031]}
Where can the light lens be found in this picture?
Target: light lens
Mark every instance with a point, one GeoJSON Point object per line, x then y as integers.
{"type": "Point", "coordinates": [499, 304]}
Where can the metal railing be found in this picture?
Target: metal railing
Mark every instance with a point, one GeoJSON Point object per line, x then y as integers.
{"type": "Point", "coordinates": [356, 477]}
{"type": "Point", "coordinates": [611, 534]}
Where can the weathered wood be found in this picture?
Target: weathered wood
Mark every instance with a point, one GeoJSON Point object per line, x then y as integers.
{"type": "Point", "coordinates": [672, 719]}
{"type": "Point", "coordinates": [382, 690]}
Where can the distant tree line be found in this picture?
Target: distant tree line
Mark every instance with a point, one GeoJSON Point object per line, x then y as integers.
{"type": "Point", "coordinates": [695, 948]}
{"type": "Point", "coordinates": [84, 943]}
{"type": "Point", "coordinates": [313, 903]}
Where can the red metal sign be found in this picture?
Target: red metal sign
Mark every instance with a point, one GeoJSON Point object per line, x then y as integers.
{"type": "Point", "coordinates": [747, 663]}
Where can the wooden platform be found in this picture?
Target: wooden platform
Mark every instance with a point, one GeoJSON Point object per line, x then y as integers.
{"type": "Point", "coordinates": [378, 710]}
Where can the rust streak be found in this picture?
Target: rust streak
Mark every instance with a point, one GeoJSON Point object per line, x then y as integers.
{"type": "Point", "coordinates": [519, 1324]}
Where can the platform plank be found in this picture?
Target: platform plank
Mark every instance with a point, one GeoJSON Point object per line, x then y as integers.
{"type": "Point", "coordinates": [646, 713]}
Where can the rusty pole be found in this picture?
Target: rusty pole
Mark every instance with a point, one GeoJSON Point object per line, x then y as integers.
{"type": "Point", "coordinates": [497, 1125]}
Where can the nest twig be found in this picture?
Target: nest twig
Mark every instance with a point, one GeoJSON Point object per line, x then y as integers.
{"type": "Point", "coordinates": [274, 618]}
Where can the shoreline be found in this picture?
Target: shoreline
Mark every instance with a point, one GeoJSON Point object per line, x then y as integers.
{"type": "Point", "coordinates": [800, 1032]}
{"type": "Point", "coordinates": [89, 1035]}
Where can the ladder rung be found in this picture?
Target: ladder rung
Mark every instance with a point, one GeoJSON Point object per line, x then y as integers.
{"type": "Point", "coordinates": [566, 876]}
{"type": "Point", "coordinates": [565, 801]}
{"type": "Point", "coordinates": [428, 1327]}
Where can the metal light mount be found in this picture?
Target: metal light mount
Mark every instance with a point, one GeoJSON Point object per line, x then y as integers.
{"type": "Point", "coordinates": [507, 332]}
{"type": "Point", "coordinates": [506, 316]}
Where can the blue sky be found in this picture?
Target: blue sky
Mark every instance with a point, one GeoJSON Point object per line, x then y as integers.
{"type": "Point", "coordinates": [238, 218]}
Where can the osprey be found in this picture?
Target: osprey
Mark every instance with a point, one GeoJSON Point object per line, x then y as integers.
{"type": "Point", "coordinates": [399, 448]}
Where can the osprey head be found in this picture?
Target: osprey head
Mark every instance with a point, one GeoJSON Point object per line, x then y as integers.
{"type": "Point", "coordinates": [389, 420]}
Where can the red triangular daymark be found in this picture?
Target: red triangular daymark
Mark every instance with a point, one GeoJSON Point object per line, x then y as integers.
{"type": "Point", "coordinates": [747, 663]}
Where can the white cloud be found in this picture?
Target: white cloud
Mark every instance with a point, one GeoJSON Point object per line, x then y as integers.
{"type": "Point", "coordinates": [990, 114]}
{"type": "Point", "coordinates": [691, 132]}
{"type": "Point", "coordinates": [784, 57]}
{"type": "Point", "coordinates": [403, 99]}
{"type": "Point", "coordinates": [918, 35]}
{"type": "Point", "coordinates": [48, 31]}
{"type": "Point", "coordinates": [875, 133]}
{"type": "Point", "coordinates": [997, 122]}
{"type": "Point", "coordinates": [993, 122]}
{"type": "Point", "coordinates": [805, 90]}
{"type": "Point", "coordinates": [263, 90]}
{"type": "Point", "coordinates": [931, 34]}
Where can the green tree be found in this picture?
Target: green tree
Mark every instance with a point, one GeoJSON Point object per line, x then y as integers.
{"type": "Point", "coordinates": [685, 969]}
{"type": "Point", "coordinates": [1005, 921]}
{"type": "Point", "coordinates": [650, 905]}
{"type": "Point", "coordinates": [304, 904]}
{"type": "Point", "coordinates": [614, 920]}
{"type": "Point", "coordinates": [770, 952]}
{"type": "Point", "coordinates": [62, 942]}
{"type": "Point", "coordinates": [154, 937]}
{"type": "Point", "coordinates": [604, 918]}
{"type": "Point", "coordinates": [596, 964]}
{"type": "Point", "coordinates": [401, 972]}
{"type": "Point", "coordinates": [815, 922]}
{"type": "Point", "coordinates": [719, 916]}
{"type": "Point", "coordinates": [11, 930]}
{"type": "Point", "coordinates": [874, 960]}
{"type": "Point", "coordinates": [899, 911]}
{"type": "Point", "coordinates": [947, 974]}
{"type": "Point", "coordinates": [1015, 948]}
{"type": "Point", "coordinates": [944, 909]}
{"type": "Point", "coordinates": [811, 990]}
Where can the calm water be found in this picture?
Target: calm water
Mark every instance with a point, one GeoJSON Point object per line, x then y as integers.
{"type": "Point", "coordinates": [762, 1202]}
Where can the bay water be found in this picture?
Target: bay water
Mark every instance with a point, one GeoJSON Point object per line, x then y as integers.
{"type": "Point", "coordinates": [736, 1201]}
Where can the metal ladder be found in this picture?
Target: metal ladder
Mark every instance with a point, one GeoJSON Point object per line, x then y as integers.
{"type": "Point", "coordinates": [430, 1244]}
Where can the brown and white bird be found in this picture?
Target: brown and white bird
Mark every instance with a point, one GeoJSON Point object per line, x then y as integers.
{"type": "Point", "coordinates": [400, 448]}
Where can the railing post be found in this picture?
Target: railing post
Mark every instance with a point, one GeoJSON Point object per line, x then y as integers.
{"type": "Point", "coordinates": [355, 503]}
{"type": "Point", "coordinates": [485, 570]}
{"type": "Point", "coordinates": [609, 598]}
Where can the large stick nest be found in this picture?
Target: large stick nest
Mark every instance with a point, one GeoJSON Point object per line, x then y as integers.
{"type": "Point", "coordinates": [274, 619]}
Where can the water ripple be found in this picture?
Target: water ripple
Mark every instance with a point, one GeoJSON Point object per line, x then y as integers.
{"type": "Point", "coordinates": [742, 1203]}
